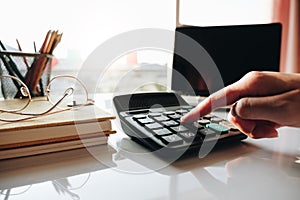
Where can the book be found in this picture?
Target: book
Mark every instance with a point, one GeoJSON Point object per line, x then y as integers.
{"type": "Point", "coordinates": [53, 140]}
{"type": "Point", "coordinates": [54, 146]}
{"type": "Point", "coordinates": [65, 130]}
{"type": "Point", "coordinates": [36, 134]}
{"type": "Point", "coordinates": [88, 119]}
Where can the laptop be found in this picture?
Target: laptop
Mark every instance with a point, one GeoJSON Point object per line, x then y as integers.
{"type": "Point", "coordinates": [235, 50]}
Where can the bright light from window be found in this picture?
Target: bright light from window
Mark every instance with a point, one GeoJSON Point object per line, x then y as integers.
{"type": "Point", "coordinates": [229, 12]}
{"type": "Point", "coordinates": [88, 23]}
{"type": "Point", "coordinates": [85, 23]}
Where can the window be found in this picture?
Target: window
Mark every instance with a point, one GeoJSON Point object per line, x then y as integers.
{"type": "Point", "coordinates": [86, 24]}
{"type": "Point", "coordinates": [229, 12]}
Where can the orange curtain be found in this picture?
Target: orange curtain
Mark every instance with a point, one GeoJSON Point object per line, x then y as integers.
{"type": "Point", "coordinates": [297, 35]}
{"type": "Point", "coordinates": [287, 13]}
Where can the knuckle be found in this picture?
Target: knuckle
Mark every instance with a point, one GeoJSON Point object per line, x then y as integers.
{"type": "Point", "coordinates": [255, 77]}
{"type": "Point", "coordinates": [252, 74]}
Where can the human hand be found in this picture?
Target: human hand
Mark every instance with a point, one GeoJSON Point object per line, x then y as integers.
{"type": "Point", "coordinates": [262, 102]}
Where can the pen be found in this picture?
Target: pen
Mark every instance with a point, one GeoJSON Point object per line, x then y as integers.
{"type": "Point", "coordinates": [12, 65]}
{"type": "Point", "coordinates": [34, 47]}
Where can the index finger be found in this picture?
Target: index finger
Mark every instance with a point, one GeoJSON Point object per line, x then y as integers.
{"type": "Point", "coordinates": [252, 84]}
{"type": "Point", "coordinates": [223, 97]}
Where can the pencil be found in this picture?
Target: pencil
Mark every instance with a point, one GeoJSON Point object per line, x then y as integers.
{"type": "Point", "coordinates": [35, 72]}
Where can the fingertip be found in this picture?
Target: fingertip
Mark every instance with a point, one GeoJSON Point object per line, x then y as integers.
{"type": "Point", "coordinates": [184, 119]}
{"type": "Point", "coordinates": [190, 117]}
{"type": "Point", "coordinates": [193, 115]}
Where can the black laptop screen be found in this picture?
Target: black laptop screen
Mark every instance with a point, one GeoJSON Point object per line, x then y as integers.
{"type": "Point", "coordinates": [235, 50]}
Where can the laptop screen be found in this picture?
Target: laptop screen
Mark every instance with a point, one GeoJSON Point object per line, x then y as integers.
{"type": "Point", "coordinates": [235, 51]}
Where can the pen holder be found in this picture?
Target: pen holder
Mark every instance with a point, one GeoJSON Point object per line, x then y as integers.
{"type": "Point", "coordinates": [33, 69]}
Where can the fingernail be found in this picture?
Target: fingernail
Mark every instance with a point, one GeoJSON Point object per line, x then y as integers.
{"type": "Point", "coordinates": [183, 119]}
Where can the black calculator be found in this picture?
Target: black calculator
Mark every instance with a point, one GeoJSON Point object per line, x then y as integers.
{"type": "Point", "coordinates": [153, 120]}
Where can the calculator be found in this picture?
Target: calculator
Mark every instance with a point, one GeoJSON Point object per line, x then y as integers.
{"type": "Point", "coordinates": [153, 120]}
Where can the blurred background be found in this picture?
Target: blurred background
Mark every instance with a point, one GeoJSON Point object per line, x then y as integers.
{"type": "Point", "coordinates": [86, 24]}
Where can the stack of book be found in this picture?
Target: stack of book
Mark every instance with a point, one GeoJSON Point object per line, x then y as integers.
{"type": "Point", "coordinates": [72, 129]}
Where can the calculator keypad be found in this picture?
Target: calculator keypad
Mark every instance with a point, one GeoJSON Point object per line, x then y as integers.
{"type": "Point", "coordinates": [167, 128]}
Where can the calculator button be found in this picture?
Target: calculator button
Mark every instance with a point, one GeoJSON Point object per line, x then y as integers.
{"type": "Point", "coordinates": [217, 127]}
{"type": "Point", "coordinates": [187, 136]}
{"type": "Point", "coordinates": [161, 118]}
{"type": "Point", "coordinates": [203, 121]}
{"type": "Point", "coordinates": [181, 111]}
{"type": "Point", "coordinates": [154, 125]}
{"type": "Point", "coordinates": [207, 132]}
{"type": "Point", "coordinates": [228, 125]}
{"type": "Point", "coordinates": [154, 114]}
{"type": "Point", "coordinates": [170, 123]}
{"type": "Point", "coordinates": [162, 131]}
{"type": "Point", "coordinates": [176, 116]}
{"type": "Point", "coordinates": [169, 113]}
{"type": "Point", "coordinates": [216, 119]}
{"type": "Point", "coordinates": [187, 107]}
{"type": "Point", "coordinates": [172, 140]}
{"type": "Point", "coordinates": [145, 121]}
{"type": "Point", "coordinates": [139, 116]}
{"type": "Point", "coordinates": [209, 116]}
{"type": "Point", "coordinates": [179, 128]}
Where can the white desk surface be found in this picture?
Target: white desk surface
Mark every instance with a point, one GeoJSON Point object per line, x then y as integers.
{"type": "Point", "coordinates": [253, 169]}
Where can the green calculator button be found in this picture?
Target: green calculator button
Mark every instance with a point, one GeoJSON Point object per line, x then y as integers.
{"type": "Point", "coordinates": [218, 128]}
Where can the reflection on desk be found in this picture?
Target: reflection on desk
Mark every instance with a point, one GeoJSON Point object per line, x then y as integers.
{"type": "Point", "coordinates": [253, 169]}
{"type": "Point", "coordinates": [59, 168]}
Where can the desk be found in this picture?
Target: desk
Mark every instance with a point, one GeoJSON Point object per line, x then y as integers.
{"type": "Point", "coordinates": [253, 169]}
